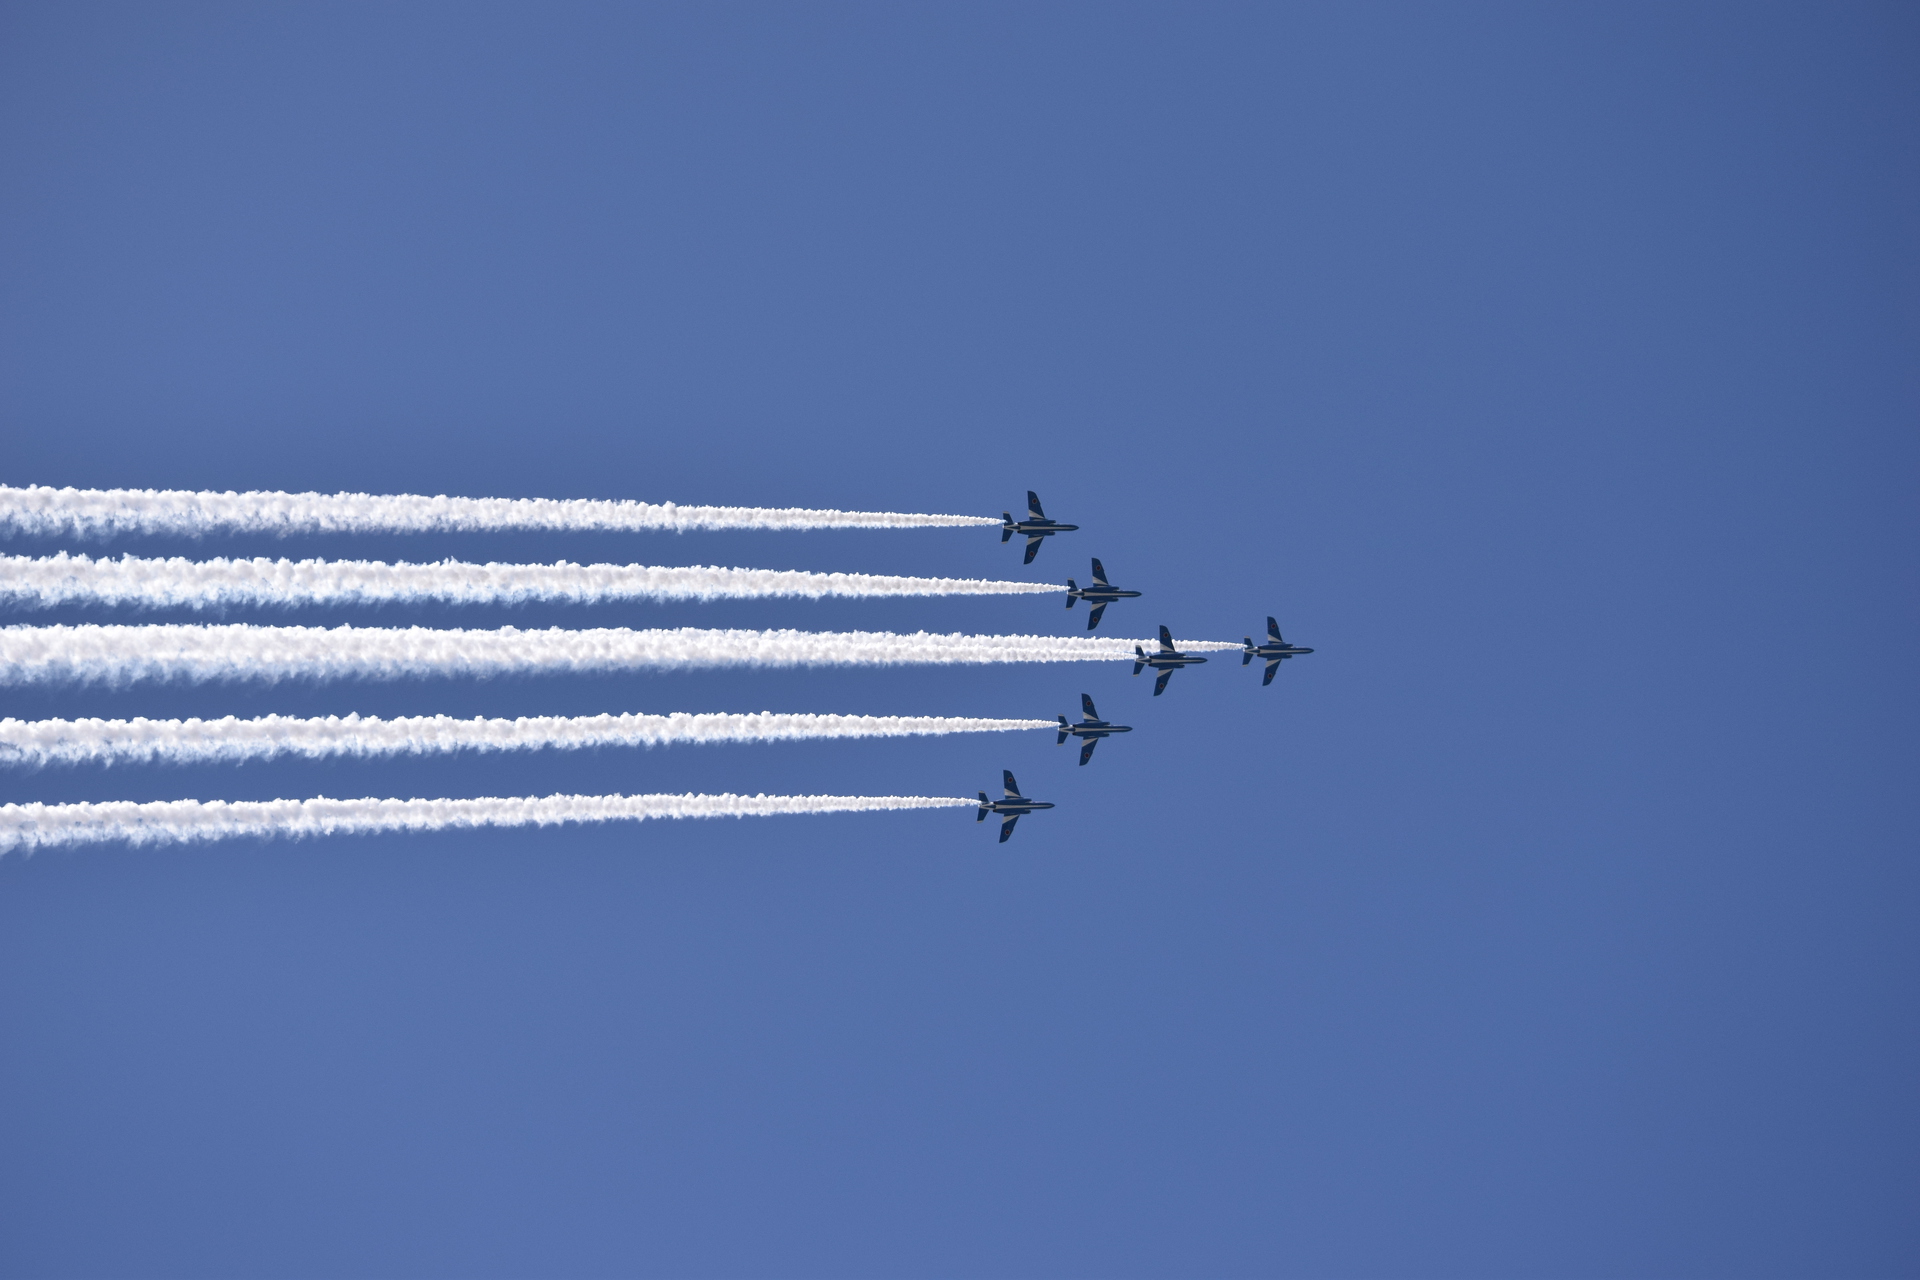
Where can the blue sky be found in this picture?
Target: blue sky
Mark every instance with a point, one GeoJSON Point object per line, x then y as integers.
{"type": "Point", "coordinates": [1547, 368]}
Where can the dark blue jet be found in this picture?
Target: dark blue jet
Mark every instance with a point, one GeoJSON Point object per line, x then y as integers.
{"type": "Point", "coordinates": [1036, 526]}
{"type": "Point", "coordinates": [1013, 806]}
{"type": "Point", "coordinates": [1093, 728]}
{"type": "Point", "coordinates": [1167, 661]}
{"type": "Point", "coordinates": [1099, 595]}
{"type": "Point", "coordinates": [1275, 651]}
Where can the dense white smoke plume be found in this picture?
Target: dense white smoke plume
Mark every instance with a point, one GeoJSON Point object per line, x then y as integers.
{"type": "Point", "coordinates": [228, 740]}
{"type": "Point", "coordinates": [38, 509]}
{"type": "Point", "coordinates": [39, 826]}
{"type": "Point", "coordinates": [70, 579]}
{"type": "Point", "coordinates": [192, 651]}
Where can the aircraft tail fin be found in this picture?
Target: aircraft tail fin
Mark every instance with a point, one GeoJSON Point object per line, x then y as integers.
{"type": "Point", "coordinates": [982, 815]}
{"type": "Point", "coordinates": [1006, 525]}
{"type": "Point", "coordinates": [1061, 741]}
{"type": "Point", "coordinates": [1246, 655]}
{"type": "Point", "coordinates": [1139, 660]}
{"type": "Point", "coordinates": [1073, 592]}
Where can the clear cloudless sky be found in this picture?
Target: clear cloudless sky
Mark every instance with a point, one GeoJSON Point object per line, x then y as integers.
{"type": "Point", "coordinates": [1548, 368]}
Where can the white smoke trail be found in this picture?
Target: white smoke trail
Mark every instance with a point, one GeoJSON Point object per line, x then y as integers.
{"type": "Point", "coordinates": [38, 509]}
{"type": "Point", "coordinates": [39, 826]}
{"type": "Point", "coordinates": [229, 740]}
{"type": "Point", "coordinates": [193, 651]}
{"type": "Point", "coordinates": [71, 579]}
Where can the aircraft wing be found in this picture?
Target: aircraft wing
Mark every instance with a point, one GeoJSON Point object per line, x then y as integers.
{"type": "Point", "coordinates": [1086, 749]}
{"type": "Point", "coordinates": [1160, 685]}
{"type": "Point", "coordinates": [1006, 826]}
{"type": "Point", "coordinates": [1273, 630]}
{"type": "Point", "coordinates": [1086, 705]}
{"type": "Point", "coordinates": [1093, 616]}
{"type": "Point", "coordinates": [1166, 641]}
{"type": "Point", "coordinates": [1033, 547]}
{"type": "Point", "coordinates": [1013, 788]}
{"type": "Point", "coordinates": [1100, 574]}
{"type": "Point", "coordinates": [1273, 665]}
{"type": "Point", "coordinates": [1033, 506]}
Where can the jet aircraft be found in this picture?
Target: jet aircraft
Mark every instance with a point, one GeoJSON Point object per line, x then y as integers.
{"type": "Point", "coordinates": [1093, 728]}
{"type": "Point", "coordinates": [1036, 526]}
{"type": "Point", "coordinates": [1099, 595]}
{"type": "Point", "coordinates": [1274, 652]}
{"type": "Point", "coordinates": [1013, 806]}
{"type": "Point", "coordinates": [1166, 661]}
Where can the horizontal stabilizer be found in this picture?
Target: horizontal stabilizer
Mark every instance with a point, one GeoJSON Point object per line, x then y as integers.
{"type": "Point", "coordinates": [982, 815]}
{"type": "Point", "coordinates": [1247, 655]}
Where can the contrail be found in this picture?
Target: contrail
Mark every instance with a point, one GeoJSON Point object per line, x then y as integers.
{"type": "Point", "coordinates": [79, 579]}
{"type": "Point", "coordinates": [228, 740]}
{"type": "Point", "coordinates": [38, 509]}
{"type": "Point", "coordinates": [193, 651]}
{"type": "Point", "coordinates": [40, 826]}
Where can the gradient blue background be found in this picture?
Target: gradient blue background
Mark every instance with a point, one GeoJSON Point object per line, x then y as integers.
{"type": "Point", "coordinates": [1550, 369]}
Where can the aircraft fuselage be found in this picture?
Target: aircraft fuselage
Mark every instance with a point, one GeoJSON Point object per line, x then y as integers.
{"type": "Point", "coordinates": [1170, 661]}
{"type": "Point", "coordinates": [1100, 595]}
{"type": "Point", "coordinates": [1274, 651]}
{"type": "Point", "coordinates": [1016, 807]}
{"type": "Point", "coordinates": [1097, 730]}
{"type": "Point", "coordinates": [1039, 528]}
